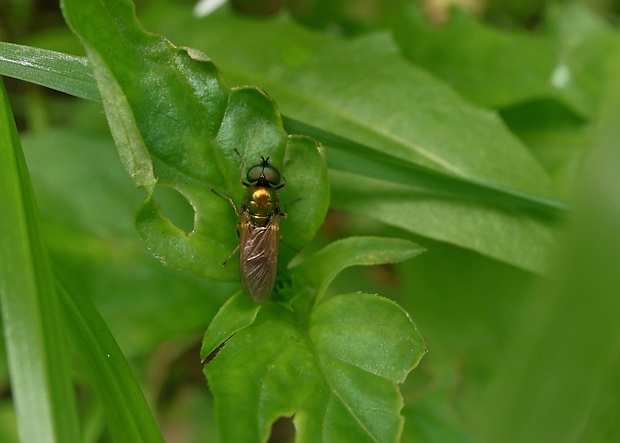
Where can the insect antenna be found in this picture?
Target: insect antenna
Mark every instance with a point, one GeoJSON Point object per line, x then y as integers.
{"type": "Point", "coordinates": [245, 166]}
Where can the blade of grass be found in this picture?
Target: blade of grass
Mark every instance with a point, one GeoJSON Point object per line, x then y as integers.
{"type": "Point", "coordinates": [128, 415]}
{"type": "Point", "coordinates": [55, 70]}
{"type": "Point", "coordinates": [32, 323]}
{"type": "Point", "coordinates": [354, 157]}
{"type": "Point", "coordinates": [35, 341]}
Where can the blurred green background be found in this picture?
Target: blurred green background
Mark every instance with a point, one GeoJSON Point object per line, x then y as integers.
{"type": "Point", "coordinates": [516, 352]}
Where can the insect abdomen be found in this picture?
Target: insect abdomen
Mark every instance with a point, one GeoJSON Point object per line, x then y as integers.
{"type": "Point", "coordinates": [258, 257]}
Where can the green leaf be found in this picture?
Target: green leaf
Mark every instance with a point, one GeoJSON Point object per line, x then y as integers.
{"type": "Point", "coordinates": [128, 415]}
{"type": "Point", "coordinates": [310, 361]}
{"type": "Point", "coordinates": [372, 96]}
{"type": "Point", "coordinates": [419, 124]}
{"type": "Point", "coordinates": [354, 157]}
{"type": "Point", "coordinates": [555, 134]}
{"type": "Point", "coordinates": [31, 317]}
{"type": "Point", "coordinates": [367, 336]}
{"type": "Point", "coordinates": [336, 374]}
{"type": "Point", "coordinates": [87, 202]}
{"type": "Point", "coordinates": [318, 271]}
{"type": "Point", "coordinates": [63, 72]}
{"type": "Point", "coordinates": [417, 173]}
{"type": "Point", "coordinates": [74, 197]}
{"type": "Point", "coordinates": [496, 68]}
{"type": "Point", "coordinates": [236, 314]}
{"type": "Point", "coordinates": [176, 124]}
{"type": "Point", "coordinates": [357, 157]}
{"type": "Point", "coordinates": [519, 238]}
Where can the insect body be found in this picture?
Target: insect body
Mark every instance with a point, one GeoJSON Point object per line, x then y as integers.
{"type": "Point", "coordinates": [259, 229]}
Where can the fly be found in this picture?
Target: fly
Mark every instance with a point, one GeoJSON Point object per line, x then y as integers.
{"type": "Point", "coordinates": [258, 228]}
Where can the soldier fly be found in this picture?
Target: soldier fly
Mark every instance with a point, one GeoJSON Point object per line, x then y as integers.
{"type": "Point", "coordinates": [259, 228]}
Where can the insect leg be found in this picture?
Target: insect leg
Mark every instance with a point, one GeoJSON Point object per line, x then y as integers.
{"type": "Point", "coordinates": [230, 256]}
{"type": "Point", "coordinates": [232, 203]}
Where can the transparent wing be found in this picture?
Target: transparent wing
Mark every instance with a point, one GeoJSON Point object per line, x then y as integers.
{"type": "Point", "coordinates": [259, 257]}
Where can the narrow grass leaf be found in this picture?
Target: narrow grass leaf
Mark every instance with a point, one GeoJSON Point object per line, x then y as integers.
{"type": "Point", "coordinates": [67, 73]}
{"type": "Point", "coordinates": [127, 413]}
{"type": "Point", "coordinates": [33, 323]}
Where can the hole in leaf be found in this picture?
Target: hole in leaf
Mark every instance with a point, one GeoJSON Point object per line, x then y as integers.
{"type": "Point", "coordinates": [282, 430]}
{"type": "Point", "coordinates": [176, 207]}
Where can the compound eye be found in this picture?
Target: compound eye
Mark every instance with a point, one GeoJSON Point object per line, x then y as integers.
{"type": "Point", "coordinates": [271, 175]}
{"type": "Point", "coordinates": [255, 173]}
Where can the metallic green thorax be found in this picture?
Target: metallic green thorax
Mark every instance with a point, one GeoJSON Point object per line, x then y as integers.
{"type": "Point", "coordinates": [261, 202]}
{"type": "Point", "coordinates": [261, 198]}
